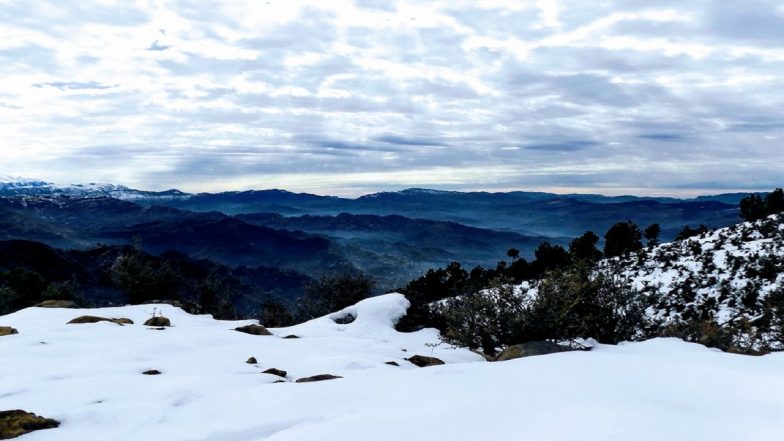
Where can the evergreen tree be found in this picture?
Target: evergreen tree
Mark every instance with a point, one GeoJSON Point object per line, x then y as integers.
{"type": "Point", "coordinates": [584, 247]}
{"type": "Point", "coordinates": [651, 234]}
{"type": "Point", "coordinates": [774, 202]}
{"type": "Point", "coordinates": [622, 238]}
{"type": "Point", "coordinates": [752, 208]}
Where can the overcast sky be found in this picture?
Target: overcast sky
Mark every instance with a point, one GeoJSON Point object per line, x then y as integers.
{"type": "Point", "coordinates": [348, 97]}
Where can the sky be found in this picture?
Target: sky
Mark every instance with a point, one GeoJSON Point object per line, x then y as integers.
{"type": "Point", "coordinates": [349, 97]}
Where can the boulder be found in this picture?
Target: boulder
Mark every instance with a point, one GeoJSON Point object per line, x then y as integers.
{"type": "Point", "coordinates": [57, 304]}
{"type": "Point", "coordinates": [344, 319]}
{"type": "Point", "coordinates": [15, 423]}
{"type": "Point", "coordinates": [253, 330]}
{"type": "Point", "coordinates": [276, 372]}
{"type": "Point", "coordinates": [392, 363]}
{"type": "Point", "coordinates": [158, 321]}
{"type": "Point", "coordinates": [252, 360]}
{"type": "Point", "coordinates": [322, 377]}
{"type": "Point", "coordinates": [532, 348]}
{"type": "Point", "coordinates": [7, 330]}
{"type": "Point", "coordinates": [422, 361]}
{"type": "Point", "coordinates": [291, 336]}
{"type": "Point", "coordinates": [152, 372]}
{"type": "Point", "coordinates": [95, 319]}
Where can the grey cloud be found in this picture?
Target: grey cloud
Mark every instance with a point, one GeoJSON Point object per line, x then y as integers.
{"type": "Point", "coordinates": [752, 20]}
{"type": "Point", "coordinates": [664, 137]}
{"type": "Point", "coordinates": [565, 146]}
{"type": "Point", "coordinates": [401, 140]}
{"type": "Point", "coordinates": [76, 85]}
{"type": "Point", "coordinates": [158, 46]}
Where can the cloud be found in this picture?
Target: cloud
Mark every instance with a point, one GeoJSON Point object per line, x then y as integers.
{"type": "Point", "coordinates": [76, 85]}
{"type": "Point", "coordinates": [565, 146]}
{"type": "Point", "coordinates": [622, 96]}
{"type": "Point", "coordinates": [158, 46]}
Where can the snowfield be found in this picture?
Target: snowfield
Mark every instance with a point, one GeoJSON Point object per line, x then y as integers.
{"type": "Point", "coordinates": [89, 377]}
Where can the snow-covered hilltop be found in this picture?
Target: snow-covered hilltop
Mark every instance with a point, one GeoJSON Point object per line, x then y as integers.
{"type": "Point", "coordinates": [732, 277]}
{"type": "Point", "coordinates": [14, 186]}
{"type": "Point", "coordinates": [89, 377]}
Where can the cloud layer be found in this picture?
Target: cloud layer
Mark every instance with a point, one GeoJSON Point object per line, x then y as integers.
{"type": "Point", "coordinates": [346, 97]}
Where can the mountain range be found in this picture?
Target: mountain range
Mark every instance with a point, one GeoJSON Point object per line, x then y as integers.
{"type": "Point", "coordinates": [393, 236]}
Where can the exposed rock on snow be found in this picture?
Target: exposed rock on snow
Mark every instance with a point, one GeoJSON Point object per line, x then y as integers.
{"type": "Point", "coordinates": [152, 372]}
{"type": "Point", "coordinates": [7, 330]}
{"type": "Point", "coordinates": [95, 319]}
{"type": "Point", "coordinates": [252, 360]}
{"type": "Point", "coordinates": [14, 423]}
{"type": "Point", "coordinates": [422, 361]}
{"type": "Point", "coordinates": [56, 304]}
{"type": "Point", "coordinates": [531, 349]}
{"type": "Point", "coordinates": [158, 321]}
{"type": "Point", "coordinates": [322, 377]}
{"type": "Point", "coordinates": [649, 391]}
{"type": "Point", "coordinates": [276, 372]}
{"type": "Point", "coordinates": [253, 330]}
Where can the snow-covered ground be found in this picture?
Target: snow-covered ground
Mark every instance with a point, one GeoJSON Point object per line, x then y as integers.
{"type": "Point", "coordinates": [89, 376]}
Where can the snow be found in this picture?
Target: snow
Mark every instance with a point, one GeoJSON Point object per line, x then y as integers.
{"type": "Point", "coordinates": [13, 186]}
{"type": "Point", "coordinates": [89, 377]}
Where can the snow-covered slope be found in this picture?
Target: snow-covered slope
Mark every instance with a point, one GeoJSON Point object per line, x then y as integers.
{"type": "Point", "coordinates": [726, 275]}
{"type": "Point", "coordinates": [13, 186]}
{"type": "Point", "coordinates": [89, 377]}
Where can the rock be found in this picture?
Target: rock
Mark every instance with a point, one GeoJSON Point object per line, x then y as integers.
{"type": "Point", "coordinates": [158, 321]}
{"type": "Point", "coordinates": [94, 319]}
{"type": "Point", "coordinates": [253, 330]}
{"type": "Point", "coordinates": [56, 304]}
{"type": "Point", "coordinates": [422, 361]}
{"type": "Point", "coordinates": [14, 423]}
{"type": "Point", "coordinates": [291, 336]}
{"type": "Point", "coordinates": [7, 330]}
{"type": "Point", "coordinates": [392, 363]}
{"type": "Point", "coordinates": [344, 319]}
{"type": "Point", "coordinates": [252, 360]}
{"type": "Point", "coordinates": [152, 372]}
{"type": "Point", "coordinates": [276, 372]}
{"type": "Point", "coordinates": [530, 349]}
{"type": "Point", "coordinates": [322, 377]}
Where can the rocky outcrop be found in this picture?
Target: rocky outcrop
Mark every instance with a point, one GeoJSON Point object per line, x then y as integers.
{"type": "Point", "coordinates": [277, 372]}
{"type": "Point", "coordinates": [323, 377]}
{"type": "Point", "coordinates": [15, 423]}
{"type": "Point", "coordinates": [253, 330]}
{"type": "Point", "coordinates": [7, 330]}
{"type": "Point", "coordinates": [531, 349]}
{"type": "Point", "coordinates": [158, 321]}
{"type": "Point", "coordinates": [95, 319]}
{"type": "Point", "coordinates": [152, 372]}
{"type": "Point", "coordinates": [422, 361]}
{"type": "Point", "coordinates": [252, 360]}
{"type": "Point", "coordinates": [57, 304]}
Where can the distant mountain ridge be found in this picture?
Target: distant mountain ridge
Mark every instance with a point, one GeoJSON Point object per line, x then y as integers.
{"type": "Point", "coordinates": [526, 213]}
{"type": "Point", "coordinates": [393, 249]}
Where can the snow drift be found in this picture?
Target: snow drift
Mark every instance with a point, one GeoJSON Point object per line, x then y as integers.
{"type": "Point", "coordinates": [89, 377]}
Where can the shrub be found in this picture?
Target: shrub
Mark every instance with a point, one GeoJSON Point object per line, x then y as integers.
{"type": "Point", "coordinates": [333, 293]}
